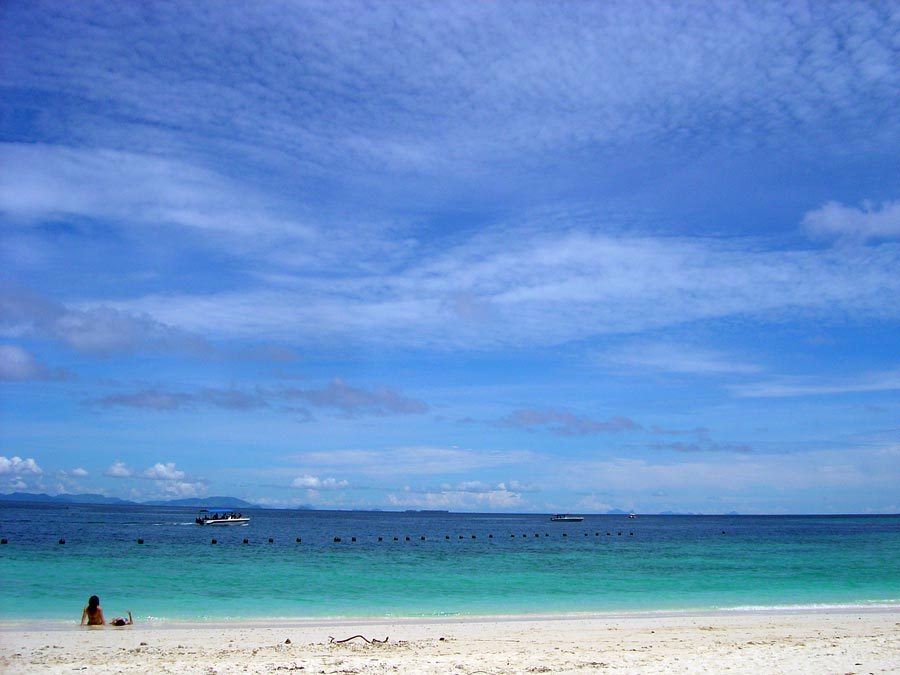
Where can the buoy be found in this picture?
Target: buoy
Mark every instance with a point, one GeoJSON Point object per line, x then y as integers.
{"type": "Point", "coordinates": [536, 534]}
{"type": "Point", "coordinates": [396, 539]}
{"type": "Point", "coordinates": [337, 540]}
{"type": "Point", "coordinates": [214, 541]}
{"type": "Point", "coordinates": [246, 541]}
{"type": "Point", "coordinates": [422, 537]}
{"type": "Point", "coordinates": [380, 538]}
{"type": "Point", "coordinates": [631, 534]}
{"type": "Point", "coordinates": [490, 536]}
{"type": "Point", "coordinates": [407, 539]}
{"type": "Point", "coordinates": [271, 541]}
{"type": "Point", "coordinates": [140, 541]}
{"type": "Point", "coordinates": [447, 536]}
{"type": "Point", "coordinates": [512, 535]}
{"type": "Point", "coordinates": [565, 534]}
{"type": "Point", "coordinates": [298, 540]}
{"type": "Point", "coordinates": [596, 534]}
{"type": "Point", "coordinates": [607, 534]}
{"type": "Point", "coordinates": [352, 539]}
{"type": "Point", "coordinates": [473, 536]}
{"type": "Point", "coordinates": [3, 541]}
{"type": "Point", "coordinates": [524, 535]}
{"type": "Point", "coordinates": [620, 534]}
{"type": "Point", "coordinates": [62, 541]}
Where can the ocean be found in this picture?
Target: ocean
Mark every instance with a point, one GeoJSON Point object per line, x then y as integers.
{"type": "Point", "coordinates": [432, 564]}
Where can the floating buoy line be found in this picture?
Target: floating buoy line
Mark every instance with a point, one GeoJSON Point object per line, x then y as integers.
{"type": "Point", "coordinates": [409, 538]}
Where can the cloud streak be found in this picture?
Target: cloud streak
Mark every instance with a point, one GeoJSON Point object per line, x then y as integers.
{"type": "Point", "coordinates": [337, 395]}
{"type": "Point", "coordinates": [98, 329]}
{"type": "Point", "coordinates": [566, 423]}
{"type": "Point", "coordinates": [787, 387]}
{"type": "Point", "coordinates": [546, 288]}
{"type": "Point", "coordinates": [833, 219]}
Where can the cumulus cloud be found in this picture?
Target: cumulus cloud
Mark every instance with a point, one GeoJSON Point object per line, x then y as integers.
{"type": "Point", "coordinates": [118, 469]}
{"type": "Point", "coordinates": [869, 221]}
{"type": "Point", "coordinates": [181, 489]}
{"type": "Point", "coordinates": [79, 472]}
{"type": "Point", "coordinates": [315, 483]}
{"type": "Point", "coordinates": [462, 498]}
{"type": "Point", "coordinates": [160, 471]}
{"type": "Point", "coordinates": [16, 466]}
{"type": "Point", "coordinates": [566, 423]}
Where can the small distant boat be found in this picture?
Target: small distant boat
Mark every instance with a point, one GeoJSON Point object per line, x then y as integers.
{"type": "Point", "coordinates": [221, 517]}
{"type": "Point", "coordinates": [566, 518]}
{"type": "Point", "coordinates": [632, 515]}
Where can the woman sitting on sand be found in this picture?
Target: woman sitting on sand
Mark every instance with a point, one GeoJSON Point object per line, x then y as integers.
{"type": "Point", "coordinates": [93, 615]}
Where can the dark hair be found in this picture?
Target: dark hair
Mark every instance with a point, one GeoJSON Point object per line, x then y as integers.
{"type": "Point", "coordinates": [93, 603]}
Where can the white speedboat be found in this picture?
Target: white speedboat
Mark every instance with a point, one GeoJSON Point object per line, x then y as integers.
{"type": "Point", "coordinates": [566, 518]}
{"type": "Point", "coordinates": [221, 517]}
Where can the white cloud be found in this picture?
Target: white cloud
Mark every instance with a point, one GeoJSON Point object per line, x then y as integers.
{"type": "Point", "coordinates": [18, 365]}
{"type": "Point", "coordinates": [874, 467]}
{"type": "Point", "coordinates": [98, 329]}
{"type": "Point", "coordinates": [592, 504]}
{"type": "Point", "coordinates": [16, 466]}
{"type": "Point", "coordinates": [79, 472]}
{"type": "Point", "coordinates": [160, 471]}
{"type": "Point", "coordinates": [118, 469]}
{"type": "Point", "coordinates": [785, 387]}
{"type": "Point", "coordinates": [550, 287]}
{"type": "Point", "coordinates": [177, 488]}
{"type": "Point", "coordinates": [675, 358]}
{"type": "Point", "coordinates": [833, 219]}
{"type": "Point", "coordinates": [464, 499]}
{"type": "Point", "coordinates": [524, 83]}
{"type": "Point", "coordinates": [315, 483]}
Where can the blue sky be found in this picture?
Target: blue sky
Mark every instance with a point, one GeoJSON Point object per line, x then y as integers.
{"type": "Point", "coordinates": [471, 256]}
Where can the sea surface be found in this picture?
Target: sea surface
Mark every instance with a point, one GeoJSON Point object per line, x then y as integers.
{"type": "Point", "coordinates": [432, 564]}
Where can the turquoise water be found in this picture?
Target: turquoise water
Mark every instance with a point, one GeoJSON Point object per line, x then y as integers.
{"type": "Point", "coordinates": [467, 564]}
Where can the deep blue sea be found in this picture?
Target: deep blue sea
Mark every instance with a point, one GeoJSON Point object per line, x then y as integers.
{"type": "Point", "coordinates": [432, 564]}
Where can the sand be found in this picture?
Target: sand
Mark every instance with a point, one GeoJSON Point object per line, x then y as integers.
{"type": "Point", "coordinates": [752, 642]}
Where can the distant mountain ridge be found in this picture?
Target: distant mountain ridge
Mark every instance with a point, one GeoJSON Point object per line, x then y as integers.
{"type": "Point", "coordinates": [91, 498]}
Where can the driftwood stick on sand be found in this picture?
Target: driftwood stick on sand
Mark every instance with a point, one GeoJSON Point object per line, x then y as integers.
{"type": "Point", "coordinates": [331, 640]}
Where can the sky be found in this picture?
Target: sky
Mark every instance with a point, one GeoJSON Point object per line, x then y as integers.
{"type": "Point", "coordinates": [495, 257]}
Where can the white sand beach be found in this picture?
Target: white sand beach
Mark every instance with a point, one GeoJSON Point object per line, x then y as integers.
{"type": "Point", "coordinates": [753, 642]}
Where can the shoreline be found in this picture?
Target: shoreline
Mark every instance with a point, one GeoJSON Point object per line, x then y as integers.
{"type": "Point", "coordinates": [612, 615]}
{"type": "Point", "coordinates": [846, 641]}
